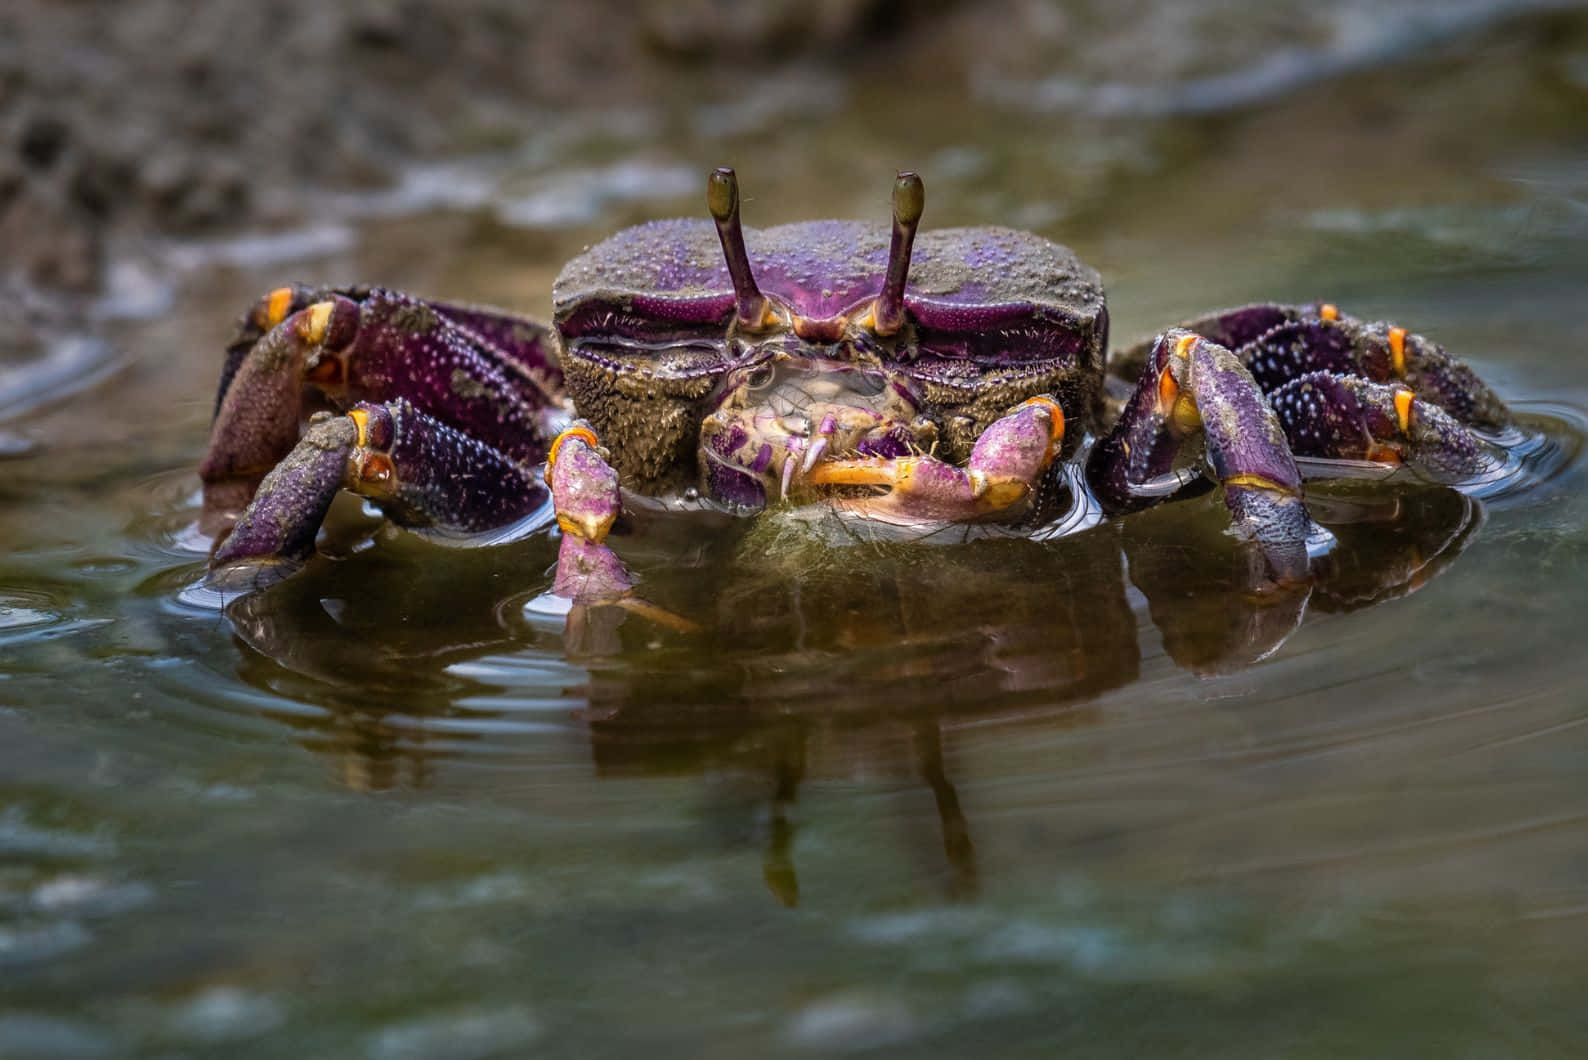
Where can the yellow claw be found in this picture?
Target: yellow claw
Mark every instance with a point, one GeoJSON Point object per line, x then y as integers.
{"type": "Point", "coordinates": [592, 528]}
{"type": "Point", "coordinates": [314, 322]}
{"type": "Point", "coordinates": [277, 303]}
{"type": "Point", "coordinates": [1403, 409]}
{"type": "Point", "coordinates": [1397, 345]}
{"type": "Point", "coordinates": [1328, 311]}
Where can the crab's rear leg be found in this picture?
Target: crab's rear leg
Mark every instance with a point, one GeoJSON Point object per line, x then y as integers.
{"type": "Point", "coordinates": [1005, 465]}
{"type": "Point", "coordinates": [1278, 343]}
{"type": "Point", "coordinates": [1343, 417]}
{"type": "Point", "coordinates": [1324, 339]}
{"type": "Point", "coordinates": [482, 372]}
{"type": "Point", "coordinates": [1194, 388]}
{"type": "Point", "coordinates": [525, 344]}
{"type": "Point", "coordinates": [421, 472]}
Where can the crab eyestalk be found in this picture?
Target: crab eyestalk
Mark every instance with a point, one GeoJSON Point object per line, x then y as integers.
{"type": "Point", "coordinates": [909, 200]}
{"type": "Point", "coordinates": [722, 199]}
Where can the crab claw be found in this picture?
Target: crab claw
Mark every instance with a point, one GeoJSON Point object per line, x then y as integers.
{"type": "Point", "coordinates": [1008, 459]}
{"type": "Point", "coordinates": [587, 500]}
{"type": "Point", "coordinates": [584, 491]}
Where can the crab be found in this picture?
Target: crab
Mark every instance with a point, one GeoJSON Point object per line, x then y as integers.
{"type": "Point", "coordinates": [903, 382]}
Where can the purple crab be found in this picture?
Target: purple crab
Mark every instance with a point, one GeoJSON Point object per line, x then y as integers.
{"type": "Point", "coordinates": [896, 379]}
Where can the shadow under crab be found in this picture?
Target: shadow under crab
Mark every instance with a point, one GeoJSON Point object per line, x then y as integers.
{"type": "Point", "coordinates": [859, 372]}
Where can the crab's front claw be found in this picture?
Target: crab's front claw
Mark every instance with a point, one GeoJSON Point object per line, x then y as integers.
{"type": "Point", "coordinates": [587, 500]}
{"type": "Point", "coordinates": [585, 495]}
{"type": "Point", "coordinates": [1009, 458]}
{"type": "Point", "coordinates": [1194, 387]}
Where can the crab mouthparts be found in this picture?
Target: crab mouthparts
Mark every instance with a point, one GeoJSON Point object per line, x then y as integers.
{"type": "Point", "coordinates": [776, 431]}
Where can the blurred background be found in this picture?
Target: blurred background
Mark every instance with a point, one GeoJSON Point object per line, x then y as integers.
{"type": "Point", "coordinates": [1015, 798]}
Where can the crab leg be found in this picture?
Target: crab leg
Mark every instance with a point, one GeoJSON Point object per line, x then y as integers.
{"type": "Point", "coordinates": [1339, 417]}
{"type": "Point", "coordinates": [1192, 386]}
{"type": "Point", "coordinates": [526, 345]}
{"type": "Point", "coordinates": [1009, 457]}
{"type": "Point", "coordinates": [482, 372]}
{"type": "Point", "coordinates": [1278, 343]}
{"type": "Point", "coordinates": [420, 471]}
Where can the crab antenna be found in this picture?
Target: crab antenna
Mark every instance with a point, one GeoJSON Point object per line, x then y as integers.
{"type": "Point", "coordinates": [722, 199]}
{"type": "Point", "coordinates": [909, 199]}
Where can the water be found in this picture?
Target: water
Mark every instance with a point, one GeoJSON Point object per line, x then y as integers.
{"type": "Point", "coordinates": [1022, 797]}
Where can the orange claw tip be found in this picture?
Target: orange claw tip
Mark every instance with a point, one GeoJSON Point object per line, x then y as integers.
{"type": "Point", "coordinates": [274, 307]}
{"type": "Point", "coordinates": [584, 434]}
{"type": "Point", "coordinates": [1252, 481]}
{"type": "Point", "coordinates": [1403, 408]}
{"type": "Point", "coordinates": [1382, 454]}
{"type": "Point", "coordinates": [314, 322]}
{"type": "Point", "coordinates": [1397, 345]}
{"type": "Point", "coordinates": [327, 370]}
{"type": "Point", "coordinates": [1168, 391]}
{"type": "Point", "coordinates": [1182, 346]}
{"type": "Point", "coordinates": [592, 528]}
{"type": "Point", "coordinates": [360, 418]}
{"type": "Point", "coordinates": [1328, 311]}
{"type": "Point", "coordinates": [1055, 418]}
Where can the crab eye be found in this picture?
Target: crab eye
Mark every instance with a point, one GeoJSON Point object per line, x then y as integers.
{"type": "Point", "coordinates": [759, 377]}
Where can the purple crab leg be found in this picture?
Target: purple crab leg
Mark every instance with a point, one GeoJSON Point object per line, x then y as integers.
{"type": "Point", "coordinates": [1379, 352]}
{"type": "Point", "coordinates": [1193, 386]}
{"type": "Point", "coordinates": [420, 471]}
{"type": "Point", "coordinates": [1345, 417]}
{"type": "Point", "coordinates": [1005, 464]}
{"type": "Point", "coordinates": [384, 347]}
{"type": "Point", "coordinates": [1278, 343]}
{"type": "Point", "coordinates": [525, 344]}
{"type": "Point", "coordinates": [257, 423]}
{"type": "Point", "coordinates": [275, 533]}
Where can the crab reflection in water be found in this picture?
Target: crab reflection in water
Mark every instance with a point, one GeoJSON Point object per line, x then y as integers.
{"type": "Point", "coordinates": [818, 660]}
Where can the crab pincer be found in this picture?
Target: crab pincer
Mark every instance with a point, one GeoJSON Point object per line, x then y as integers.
{"type": "Point", "coordinates": [587, 500]}
{"type": "Point", "coordinates": [1007, 461]}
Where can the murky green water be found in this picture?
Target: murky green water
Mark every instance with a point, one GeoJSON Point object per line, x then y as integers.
{"type": "Point", "coordinates": [1011, 797]}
